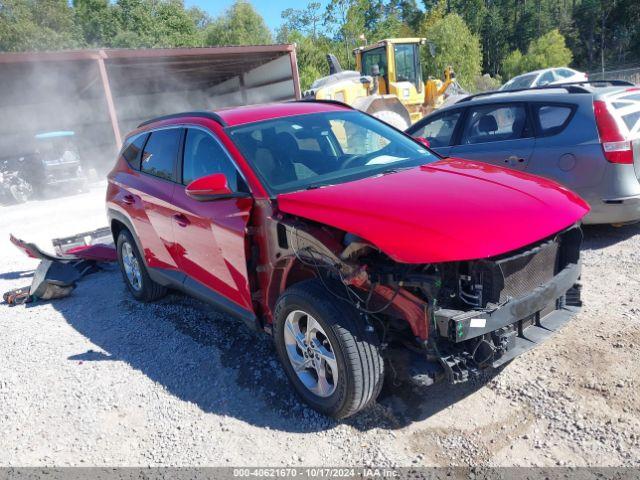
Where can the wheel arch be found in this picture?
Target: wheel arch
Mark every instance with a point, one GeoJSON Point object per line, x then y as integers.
{"type": "Point", "coordinates": [119, 222]}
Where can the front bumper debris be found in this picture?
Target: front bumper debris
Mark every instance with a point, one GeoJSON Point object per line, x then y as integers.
{"type": "Point", "coordinates": [468, 342]}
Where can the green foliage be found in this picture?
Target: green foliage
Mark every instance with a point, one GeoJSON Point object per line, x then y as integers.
{"type": "Point", "coordinates": [545, 52]}
{"type": "Point", "coordinates": [240, 25]}
{"type": "Point", "coordinates": [37, 25]}
{"type": "Point", "coordinates": [455, 45]}
{"type": "Point", "coordinates": [590, 34]}
{"type": "Point", "coordinates": [486, 83]}
{"type": "Point", "coordinates": [307, 20]}
{"type": "Point", "coordinates": [96, 20]}
{"type": "Point", "coordinates": [550, 50]}
{"type": "Point", "coordinates": [512, 65]}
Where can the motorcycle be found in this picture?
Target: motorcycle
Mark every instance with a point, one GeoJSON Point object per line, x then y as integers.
{"type": "Point", "coordinates": [12, 186]}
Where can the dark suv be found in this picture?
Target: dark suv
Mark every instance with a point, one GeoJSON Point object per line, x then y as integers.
{"type": "Point", "coordinates": [348, 241]}
{"type": "Point", "coordinates": [585, 136]}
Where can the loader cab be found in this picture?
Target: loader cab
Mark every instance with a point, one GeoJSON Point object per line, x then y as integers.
{"type": "Point", "coordinates": [399, 64]}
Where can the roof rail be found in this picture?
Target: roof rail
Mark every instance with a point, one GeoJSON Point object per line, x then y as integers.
{"type": "Point", "coordinates": [332, 102]}
{"type": "Point", "coordinates": [200, 113]}
{"type": "Point", "coordinates": [570, 87]}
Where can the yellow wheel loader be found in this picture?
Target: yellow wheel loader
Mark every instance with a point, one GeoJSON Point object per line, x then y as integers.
{"type": "Point", "coordinates": [387, 84]}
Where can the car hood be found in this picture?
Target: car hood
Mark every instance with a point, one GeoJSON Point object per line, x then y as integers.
{"type": "Point", "coordinates": [445, 211]}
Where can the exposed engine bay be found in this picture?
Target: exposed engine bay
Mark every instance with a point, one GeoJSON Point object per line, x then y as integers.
{"type": "Point", "coordinates": [443, 320]}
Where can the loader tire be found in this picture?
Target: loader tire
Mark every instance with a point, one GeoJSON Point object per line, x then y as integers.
{"type": "Point", "coordinates": [392, 118]}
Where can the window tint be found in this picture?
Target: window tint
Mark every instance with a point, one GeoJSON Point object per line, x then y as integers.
{"type": "Point", "coordinates": [494, 123]}
{"type": "Point", "coordinates": [161, 152]}
{"type": "Point", "coordinates": [546, 78]}
{"type": "Point", "coordinates": [203, 155]}
{"type": "Point", "coordinates": [131, 150]}
{"type": "Point", "coordinates": [377, 56]}
{"type": "Point", "coordinates": [551, 118]}
{"type": "Point", "coordinates": [439, 130]}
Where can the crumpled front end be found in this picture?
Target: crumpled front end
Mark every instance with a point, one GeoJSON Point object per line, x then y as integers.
{"type": "Point", "coordinates": [443, 320]}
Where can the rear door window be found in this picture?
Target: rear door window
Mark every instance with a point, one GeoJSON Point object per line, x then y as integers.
{"type": "Point", "coordinates": [439, 129]}
{"type": "Point", "coordinates": [161, 153]}
{"type": "Point", "coordinates": [551, 119]}
{"type": "Point", "coordinates": [495, 123]}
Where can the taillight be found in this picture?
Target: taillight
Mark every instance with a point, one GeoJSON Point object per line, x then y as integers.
{"type": "Point", "coordinates": [617, 149]}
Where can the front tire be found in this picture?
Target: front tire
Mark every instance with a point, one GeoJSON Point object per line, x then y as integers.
{"type": "Point", "coordinates": [134, 271]}
{"type": "Point", "coordinates": [329, 353]}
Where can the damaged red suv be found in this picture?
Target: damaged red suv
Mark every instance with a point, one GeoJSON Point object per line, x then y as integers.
{"type": "Point", "coordinates": [349, 242]}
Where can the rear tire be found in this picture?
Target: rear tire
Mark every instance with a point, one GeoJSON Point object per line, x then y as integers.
{"type": "Point", "coordinates": [134, 271]}
{"type": "Point", "coordinates": [349, 350]}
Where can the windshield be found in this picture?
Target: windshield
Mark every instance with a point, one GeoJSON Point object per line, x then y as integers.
{"type": "Point", "coordinates": [310, 151]}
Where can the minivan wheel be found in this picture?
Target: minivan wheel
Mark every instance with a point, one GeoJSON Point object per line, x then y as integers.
{"type": "Point", "coordinates": [134, 271]}
{"type": "Point", "coordinates": [329, 353]}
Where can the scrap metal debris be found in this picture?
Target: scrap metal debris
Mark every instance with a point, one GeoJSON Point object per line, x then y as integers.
{"type": "Point", "coordinates": [58, 273]}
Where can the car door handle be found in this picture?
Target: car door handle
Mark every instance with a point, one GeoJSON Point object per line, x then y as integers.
{"type": "Point", "coordinates": [129, 199]}
{"type": "Point", "coordinates": [181, 220]}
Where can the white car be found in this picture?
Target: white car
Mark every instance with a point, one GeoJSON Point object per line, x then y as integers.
{"type": "Point", "coordinates": [547, 76]}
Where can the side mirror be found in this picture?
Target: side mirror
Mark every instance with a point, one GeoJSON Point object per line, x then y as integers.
{"type": "Point", "coordinates": [212, 187]}
{"type": "Point", "coordinates": [423, 141]}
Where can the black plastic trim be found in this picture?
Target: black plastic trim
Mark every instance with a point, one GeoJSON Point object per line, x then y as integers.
{"type": "Point", "coordinates": [116, 215]}
{"type": "Point", "coordinates": [514, 310]}
{"type": "Point", "coordinates": [331, 102]}
{"type": "Point", "coordinates": [570, 87]}
{"type": "Point", "coordinates": [199, 114]}
{"type": "Point", "coordinates": [223, 196]}
{"type": "Point", "coordinates": [186, 284]}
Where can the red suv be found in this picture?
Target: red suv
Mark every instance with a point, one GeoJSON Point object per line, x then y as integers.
{"type": "Point", "coordinates": [351, 243]}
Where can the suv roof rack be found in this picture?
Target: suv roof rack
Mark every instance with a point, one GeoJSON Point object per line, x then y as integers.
{"type": "Point", "coordinates": [199, 113]}
{"type": "Point", "coordinates": [322, 100]}
{"type": "Point", "coordinates": [570, 87]}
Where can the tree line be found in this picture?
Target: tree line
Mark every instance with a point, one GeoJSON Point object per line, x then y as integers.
{"type": "Point", "coordinates": [501, 38]}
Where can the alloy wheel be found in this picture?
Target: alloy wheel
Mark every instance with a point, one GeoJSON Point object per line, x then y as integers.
{"type": "Point", "coordinates": [311, 354]}
{"type": "Point", "coordinates": [131, 267]}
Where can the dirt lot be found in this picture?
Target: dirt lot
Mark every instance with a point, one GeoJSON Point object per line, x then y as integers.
{"type": "Point", "coordinates": [98, 379]}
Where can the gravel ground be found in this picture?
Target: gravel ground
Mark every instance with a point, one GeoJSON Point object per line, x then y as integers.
{"type": "Point", "coordinates": [98, 379]}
